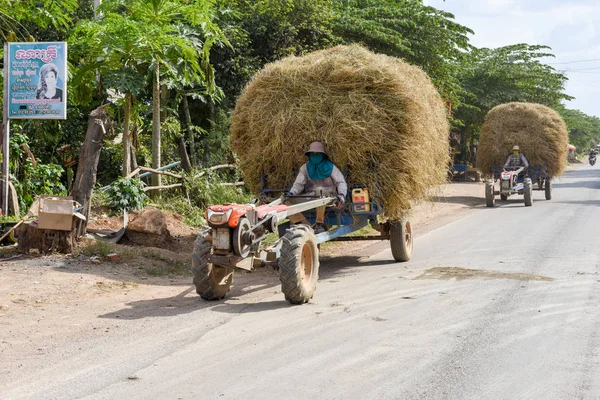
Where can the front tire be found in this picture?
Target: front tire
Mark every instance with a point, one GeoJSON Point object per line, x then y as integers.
{"type": "Point", "coordinates": [528, 192]}
{"type": "Point", "coordinates": [401, 240]}
{"type": "Point", "coordinates": [299, 264]}
{"type": "Point", "coordinates": [490, 198]}
{"type": "Point", "coordinates": [548, 189]}
{"type": "Point", "coordinates": [212, 282]}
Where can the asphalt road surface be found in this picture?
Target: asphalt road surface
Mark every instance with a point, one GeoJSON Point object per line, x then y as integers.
{"type": "Point", "coordinates": [502, 304]}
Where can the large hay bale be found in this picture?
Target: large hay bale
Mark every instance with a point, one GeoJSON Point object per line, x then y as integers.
{"type": "Point", "coordinates": [539, 131]}
{"type": "Point", "coordinates": [377, 115]}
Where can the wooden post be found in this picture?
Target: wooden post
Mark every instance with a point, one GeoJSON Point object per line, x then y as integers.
{"type": "Point", "coordinates": [185, 160]}
{"type": "Point", "coordinates": [89, 155]}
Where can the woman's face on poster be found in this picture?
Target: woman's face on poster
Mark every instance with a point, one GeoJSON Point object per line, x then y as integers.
{"type": "Point", "coordinates": [50, 79]}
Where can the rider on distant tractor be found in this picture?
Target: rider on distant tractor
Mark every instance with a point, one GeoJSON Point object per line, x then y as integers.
{"type": "Point", "coordinates": [516, 160]}
{"type": "Point", "coordinates": [318, 176]}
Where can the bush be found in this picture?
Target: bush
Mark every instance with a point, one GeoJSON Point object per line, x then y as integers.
{"type": "Point", "coordinates": [126, 194]}
{"type": "Point", "coordinates": [43, 179]}
{"type": "Point", "coordinates": [199, 192]}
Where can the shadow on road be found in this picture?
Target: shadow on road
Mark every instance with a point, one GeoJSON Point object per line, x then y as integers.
{"type": "Point", "coordinates": [187, 301]}
{"type": "Point", "coordinates": [163, 307]}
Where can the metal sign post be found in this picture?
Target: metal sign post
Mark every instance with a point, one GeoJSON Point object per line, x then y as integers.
{"type": "Point", "coordinates": [5, 136]}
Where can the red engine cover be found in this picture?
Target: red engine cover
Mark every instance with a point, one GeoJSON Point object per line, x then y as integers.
{"type": "Point", "coordinates": [239, 210]}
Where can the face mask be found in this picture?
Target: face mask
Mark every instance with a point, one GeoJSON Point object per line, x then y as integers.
{"type": "Point", "coordinates": [315, 158]}
{"type": "Point", "coordinates": [515, 153]}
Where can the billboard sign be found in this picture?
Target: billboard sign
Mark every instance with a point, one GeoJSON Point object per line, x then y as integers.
{"type": "Point", "coordinates": [36, 80]}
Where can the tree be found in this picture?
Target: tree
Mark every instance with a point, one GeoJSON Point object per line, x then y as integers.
{"type": "Point", "coordinates": [584, 130]}
{"type": "Point", "coordinates": [490, 77]}
{"type": "Point", "coordinates": [408, 29]}
{"type": "Point", "coordinates": [15, 15]}
{"type": "Point", "coordinates": [110, 48]}
{"type": "Point", "coordinates": [151, 36]}
{"type": "Point", "coordinates": [264, 31]}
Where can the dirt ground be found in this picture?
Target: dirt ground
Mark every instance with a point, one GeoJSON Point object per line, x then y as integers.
{"type": "Point", "coordinates": [49, 300]}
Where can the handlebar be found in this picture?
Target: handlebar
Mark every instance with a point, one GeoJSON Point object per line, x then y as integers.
{"type": "Point", "coordinates": [516, 169]}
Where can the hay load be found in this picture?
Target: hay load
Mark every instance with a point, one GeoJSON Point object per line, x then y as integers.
{"type": "Point", "coordinates": [539, 131]}
{"type": "Point", "coordinates": [379, 117]}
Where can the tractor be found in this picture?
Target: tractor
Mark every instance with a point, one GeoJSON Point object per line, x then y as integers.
{"type": "Point", "coordinates": [235, 233]}
{"type": "Point", "coordinates": [512, 181]}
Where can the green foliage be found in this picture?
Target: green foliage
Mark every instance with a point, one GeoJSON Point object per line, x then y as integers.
{"type": "Point", "coordinates": [202, 190]}
{"type": "Point", "coordinates": [126, 194]}
{"type": "Point", "coordinates": [264, 31]}
{"type": "Point", "coordinates": [43, 179]}
{"type": "Point", "coordinates": [215, 144]}
{"type": "Point", "coordinates": [207, 189]}
{"type": "Point", "coordinates": [422, 35]}
{"type": "Point", "coordinates": [512, 73]}
{"type": "Point", "coordinates": [15, 15]}
{"type": "Point", "coordinates": [584, 130]}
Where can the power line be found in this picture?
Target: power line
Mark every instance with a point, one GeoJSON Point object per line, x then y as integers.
{"type": "Point", "coordinates": [580, 69]}
{"type": "Point", "coordinates": [582, 72]}
{"type": "Point", "coordinates": [575, 61]}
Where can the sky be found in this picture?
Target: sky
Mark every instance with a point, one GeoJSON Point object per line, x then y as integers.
{"type": "Point", "coordinates": [570, 27]}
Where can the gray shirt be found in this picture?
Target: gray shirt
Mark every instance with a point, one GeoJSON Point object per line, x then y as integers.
{"type": "Point", "coordinates": [516, 161]}
{"type": "Point", "coordinates": [333, 185]}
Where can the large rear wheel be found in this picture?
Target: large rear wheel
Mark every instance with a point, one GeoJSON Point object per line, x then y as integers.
{"type": "Point", "coordinates": [548, 189]}
{"type": "Point", "coordinates": [401, 239]}
{"type": "Point", "coordinates": [490, 198]}
{"type": "Point", "coordinates": [212, 282]}
{"type": "Point", "coordinates": [299, 264]}
{"type": "Point", "coordinates": [528, 192]}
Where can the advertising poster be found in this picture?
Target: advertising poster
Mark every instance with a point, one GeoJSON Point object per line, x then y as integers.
{"type": "Point", "coordinates": [36, 76]}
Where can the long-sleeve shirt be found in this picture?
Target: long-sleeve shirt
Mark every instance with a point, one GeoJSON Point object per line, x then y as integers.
{"type": "Point", "coordinates": [333, 185]}
{"type": "Point", "coordinates": [516, 161]}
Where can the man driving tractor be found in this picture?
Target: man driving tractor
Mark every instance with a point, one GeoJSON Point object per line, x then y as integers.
{"type": "Point", "coordinates": [318, 176]}
{"type": "Point", "coordinates": [516, 159]}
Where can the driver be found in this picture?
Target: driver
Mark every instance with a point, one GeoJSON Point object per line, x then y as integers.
{"type": "Point", "coordinates": [318, 176]}
{"type": "Point", "coordinates": [516, 159]}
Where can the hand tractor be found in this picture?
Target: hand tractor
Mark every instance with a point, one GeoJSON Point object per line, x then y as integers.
{"type": "Point", "coordinates": [511, 182]}
{"type": "Point", "coordinates": [235, 233]}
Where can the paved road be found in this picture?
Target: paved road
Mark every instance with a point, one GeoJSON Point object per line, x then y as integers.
{"type": "Point", "coordinates": [502, 304]}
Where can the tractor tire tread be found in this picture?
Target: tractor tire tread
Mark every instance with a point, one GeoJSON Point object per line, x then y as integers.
{"type": "Point", "coordinates": [290, 273]}
{"type": "Point", "coordinates": [528, 192]}
{"type": "Point", "coordinates": [204, 272]}
{"type": "Point", "coordinates": [400, 250]}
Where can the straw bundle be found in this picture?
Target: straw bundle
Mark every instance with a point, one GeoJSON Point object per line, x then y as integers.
{"type": "Point", "coordinates": [380, 119]}
{"type": "Point", "coordinates": [539, 131]}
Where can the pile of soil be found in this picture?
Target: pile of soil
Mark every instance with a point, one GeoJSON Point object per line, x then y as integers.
{"type": "Point", "coordinates": [151, 227]}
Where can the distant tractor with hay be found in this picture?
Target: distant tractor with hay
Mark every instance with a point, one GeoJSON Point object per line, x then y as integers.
{"type": "Point", "coordinates": [383, 124]}
{"type": "Point", "coordinates": [534, 130]}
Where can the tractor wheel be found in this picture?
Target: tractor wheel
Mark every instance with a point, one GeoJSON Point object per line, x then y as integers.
{"type": "Point", "coordinates": [527, 192]}
{"type": "Point", "coordinates": [401, 239]}
{"type": "Point", "coordinates": [548, 189]}
{"type": "Point", "coordinates": [299, 264]}
{"type": "Point", "coordinates": [503, 197]}
{"type": "Point", "coordinates": [212, 281]}
{"type": "Point", "coordinates": [490, 198]}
